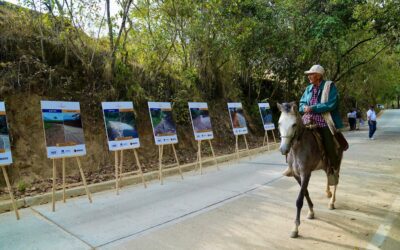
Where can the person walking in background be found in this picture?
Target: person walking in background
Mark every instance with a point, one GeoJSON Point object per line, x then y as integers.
{"type": "Point", "coordinates": [351, 116]}
{"type": "Point", "coordinates": [360, 121]}
{"type": "Point", "coordinates": [354, 115]}
{"type": "Point", "coordinates": [371, 117]}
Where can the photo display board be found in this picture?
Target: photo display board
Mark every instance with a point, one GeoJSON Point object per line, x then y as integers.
{"type": "Point", "coordinates": [120, 123]}
{"type": "Point", "coordinates": [164, 128]}
{"type": "Point", "coordinates": [266, 116]}
{"type": "Point", "coordinates": [201, 121]}
{"type": "Point", "coordinates": [237, 118]}
{"type": "Point", "coordinates": [63, 129]}
{"type": "Point", "coordinates": [5, 147]}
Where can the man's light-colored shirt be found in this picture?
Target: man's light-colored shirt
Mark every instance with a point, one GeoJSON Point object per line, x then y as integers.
{"type": "Point", "coordinates": [352, 114]}
{"type": "Point", "coordinates": [371, 115]}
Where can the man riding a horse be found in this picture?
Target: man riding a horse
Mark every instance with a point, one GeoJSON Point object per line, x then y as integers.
{"type": "Point", "coordinates": [312, 141]}
{"type": "Point", "coordinates": [320, 108]}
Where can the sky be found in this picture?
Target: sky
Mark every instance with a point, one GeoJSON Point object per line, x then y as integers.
{"type": "Point", "coordinates": [114, 6]}
{"type": "Point", "coordinates": [114, 9]}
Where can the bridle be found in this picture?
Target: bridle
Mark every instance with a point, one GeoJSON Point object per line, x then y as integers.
{"type": "Point", "coordinates": [290, 139]}
{"type": "Point", "coordinates": [295, 134]}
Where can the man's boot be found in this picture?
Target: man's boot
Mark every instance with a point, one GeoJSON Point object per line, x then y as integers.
{"type": "Point", "coordinates": [288, 172]}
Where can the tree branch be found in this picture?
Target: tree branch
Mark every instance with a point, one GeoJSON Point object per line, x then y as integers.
{"type": "Point", "coordinates": [360, 63]}
{"type": "Point", "coordinates": [358, 44]}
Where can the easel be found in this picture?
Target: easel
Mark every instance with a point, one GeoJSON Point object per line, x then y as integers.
{"type": "Point", "coordinates": [266, 136]}
{"type": "Point", "coordinates": [63, 179]}
{"type": "Point", "coordinates": [3, 167]}
{"type": "Point", "coordinates": [199, 160]}
{"type": "Point", "coordinates": [237, 146]}
{"type": "Point", "coordinates": [119, 158]}
{"type": "Point", "coordinates": [160, 156]}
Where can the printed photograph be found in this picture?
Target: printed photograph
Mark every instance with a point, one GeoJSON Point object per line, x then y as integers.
{"type": "Point", "coordinates": [120, 125]}
{"type": "Point", "coordinates": [53, 128]}
{"type": "Point", "coordinates": [63, 129]}
{"type": "Point", "coordinates": [237, 117]}
{"type": "Point", "coordinates": [4, 137]}
{"type": "Point", "coordinates": [201, 120]}
{"type": "Point", "coordinates": [266, 115]}
{"type": "Point", "coordinates": [73, 130]}
{"type": "Point", "coordinates": [163, 123]}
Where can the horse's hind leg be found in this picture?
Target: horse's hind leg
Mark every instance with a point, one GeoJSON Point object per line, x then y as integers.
{"type": "Point", "coordinates": [333, 198]}
{"type": "Point", "coordinates": [328, 191]}
{"type": "Point", "coordinates": [310, 214]}
{"type": "Point", "coordinates": [299, 204]}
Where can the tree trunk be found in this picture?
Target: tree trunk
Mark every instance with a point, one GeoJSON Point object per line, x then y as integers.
{"type": "Point", "coordinates": [40, 30]}
{"type": "Point", "coordinates": [110, 35]}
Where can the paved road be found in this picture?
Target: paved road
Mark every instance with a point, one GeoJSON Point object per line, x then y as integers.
{"type": "Point", "coordinates": [245, 205]}
{"type": "Point", "coordinates": [74, 134]}
{"type": "Point", "coordinates": [202, 123]}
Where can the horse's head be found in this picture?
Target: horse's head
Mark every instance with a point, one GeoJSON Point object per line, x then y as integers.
{"type": "Point", "coordinates": [288, 125]}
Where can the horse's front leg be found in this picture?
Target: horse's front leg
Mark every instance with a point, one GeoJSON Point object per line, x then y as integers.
{"type": "Point", "coordinates": [333, 198]}
{"type": "Point", "coordinates": [310, 214]}
{"type": "Point", "coordinates": [299, 204]}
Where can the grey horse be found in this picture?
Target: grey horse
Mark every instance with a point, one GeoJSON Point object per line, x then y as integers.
{"type": "Point", "coordinates": [304, 155]}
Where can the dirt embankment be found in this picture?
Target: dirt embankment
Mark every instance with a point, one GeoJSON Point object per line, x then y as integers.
{"type": "Point", "coordinates": [26, 79]}
{"type": "Point", "coordinates": [31, 171]}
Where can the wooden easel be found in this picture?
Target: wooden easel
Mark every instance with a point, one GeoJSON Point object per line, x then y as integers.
{"type": "Point", "coordinates": [3, 167]}
{"type": "Point", "coordinates": [237, 146]}
{"type": "Point", "coordinates": [160, 156]}
{"type": "Point", "coordinates": [199, 160]}
{"type": "Point", "coordinates": [63, 179]}
{"type": "Point", "coordinates": [119, 158]}
{"type": "Point", "coordinates": [266, 136]}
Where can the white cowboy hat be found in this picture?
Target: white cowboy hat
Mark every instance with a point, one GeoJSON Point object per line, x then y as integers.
{"type": "Point", "coordinates": [315, 69]}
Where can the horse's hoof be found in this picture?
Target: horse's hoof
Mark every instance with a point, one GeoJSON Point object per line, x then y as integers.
{"type": "Point", "coordinates": [310, 216]}
{"type": "Point", "coordinates": [294, 234]}
{"type": "Point", "coordinates": [331, 206]}
{"type": "Point", "coordinates": [329, 194]}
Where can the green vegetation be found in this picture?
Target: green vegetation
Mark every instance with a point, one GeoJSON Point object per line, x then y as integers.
{"type": "Point", "coordinates": [244, 50]}
{"type": "Point", "coordinates": [21, 186]}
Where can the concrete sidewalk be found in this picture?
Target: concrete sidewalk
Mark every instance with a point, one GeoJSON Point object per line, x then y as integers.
{"type": "Point", "coordinates": [78, 224]}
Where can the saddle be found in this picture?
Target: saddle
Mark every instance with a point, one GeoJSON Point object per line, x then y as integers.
{"type": "Point", "coordinates": [331, 172]}
{"type": "Point", "coordinates": [318, 138]}
{"type": "Point", "coordinates": [338, 137]}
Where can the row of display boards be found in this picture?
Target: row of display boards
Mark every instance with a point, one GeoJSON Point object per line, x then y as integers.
{"type": "Point", "coordinates": [64, 135]}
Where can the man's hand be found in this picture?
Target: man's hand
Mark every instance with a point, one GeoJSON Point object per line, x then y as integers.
{"type": "Point", "coordinates": [307, 109]}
